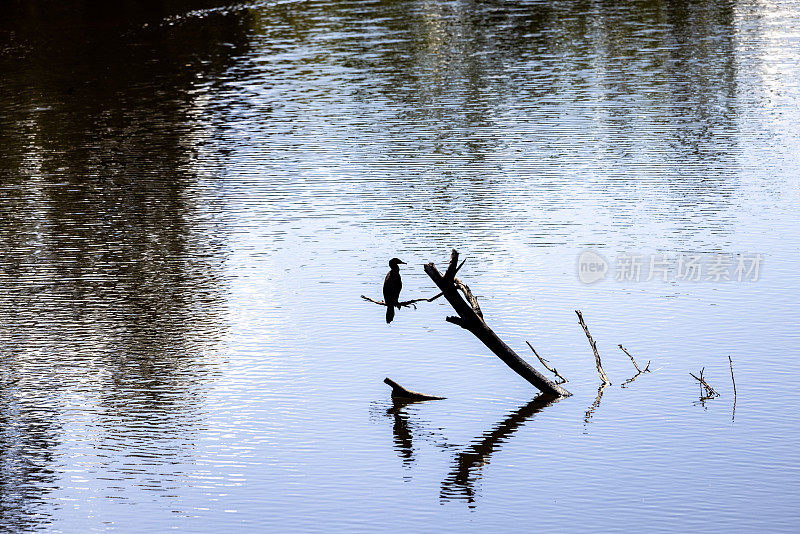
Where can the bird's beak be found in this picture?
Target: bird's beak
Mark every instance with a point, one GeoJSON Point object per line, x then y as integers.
{"type": "Point", "coordinates": [404, 263]}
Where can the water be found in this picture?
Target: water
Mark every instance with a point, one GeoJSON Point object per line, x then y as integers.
{"type": "Point", "coordinates": [194, 195]}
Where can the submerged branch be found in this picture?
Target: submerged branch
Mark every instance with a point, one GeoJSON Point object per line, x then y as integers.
{"type": "Point", "coordinates": [640, 371]}
{"type": "Point", "coordinates": [631, 379]}
{"type": "Point", "coordinates": [733, 410]}
{"type": "Point", "coordinates": [710, 392]}
{"type": "Point", "coordinates": [593, 344]}
{"type": "Point", "coordinates": [546, 366]}
{"type": "Point", "coordinates": [401, 392]}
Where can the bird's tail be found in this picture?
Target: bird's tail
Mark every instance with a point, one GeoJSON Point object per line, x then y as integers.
{"type": "Point", "coordinates": [389, 314]}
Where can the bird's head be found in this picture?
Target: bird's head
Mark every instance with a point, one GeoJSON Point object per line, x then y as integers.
{"type": "Point", "coordinates": [394, 262]}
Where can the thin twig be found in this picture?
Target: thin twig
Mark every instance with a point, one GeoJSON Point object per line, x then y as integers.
{"type": "Point", "coordinates": [600, 371]}
{"type": "Point", "coordinates": [733, 409]}
{"type": "Point", "coordinates": [706, 391]}
{"type": "Point", "coordinates": [646, 367]}
{"type": "Point", "coordinates": [460, 265]}
{"type": "Point", "coordinates": [639, 371]}
{"type": "Point", "coordinates": [709, 390]}
{"type": "Point", "coordinates": [404, 303]}
{"type": "Point", "coordinates": [544, 362]}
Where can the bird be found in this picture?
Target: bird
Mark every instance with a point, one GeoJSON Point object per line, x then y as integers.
{"type": "Point", "coordinates": [392, 285]}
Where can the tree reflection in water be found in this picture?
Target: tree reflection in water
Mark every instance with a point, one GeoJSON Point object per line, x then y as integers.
{"type": "Point", "coordinates": [459, 484]}
{"type": "Point", "coordinates": [112, 300]}
{"type": "Point", "coordinates": [467, 468]}
{"type": "Point", "coordinates": [28, 437]}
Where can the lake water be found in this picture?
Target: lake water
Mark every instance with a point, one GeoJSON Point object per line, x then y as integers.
{"type": "Point", "coordinates": [194, 195]}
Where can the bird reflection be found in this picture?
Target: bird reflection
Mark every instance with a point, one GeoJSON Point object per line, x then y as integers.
{"type": "Point", "coordinates": [460, 482]}
{"type": "Point", "coordinates": [404, 430]}
{"type": "Point", "coordinates": [403, 442]}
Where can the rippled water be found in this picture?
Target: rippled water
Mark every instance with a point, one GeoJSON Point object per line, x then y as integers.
{"type": "Point", "coordinates": [194, 195]}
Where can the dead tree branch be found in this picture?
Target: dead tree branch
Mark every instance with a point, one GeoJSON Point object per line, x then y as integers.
{"type": "Point", "coordinates": [639, 371]}
{"type": "Point", "coordinates": [546, 366]}
{"type": "Point", "coordinates": [401, 392]}
{"type": "Point", "coordinates": [730, 362]}
{"type": "Point", "coordinates": [593, 344]}
{"type": "Point", "coordinates": [470, 318]}
{"type": "Point", "coordinates": [733, 409]}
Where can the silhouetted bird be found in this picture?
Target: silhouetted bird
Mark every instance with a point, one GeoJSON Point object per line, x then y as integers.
{"type": "Point", "coordinates": [391, 288]}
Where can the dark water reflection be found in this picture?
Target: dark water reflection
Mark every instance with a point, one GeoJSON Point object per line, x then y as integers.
{"type": "Point", "coordinates": [29, 432]}
{"type": "Point", "coordinates": [485, 90]}
{"type": "Point", "coordinates": [194, 193]}
{"type": "Point", "coordinates": [111, 282]}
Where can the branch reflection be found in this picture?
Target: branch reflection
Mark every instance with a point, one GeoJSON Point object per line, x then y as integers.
{"type": "Point", "coordinates": [596, 404]}
{"type": "Point", "coordinates": [406, 426]}
{"type": "Point", "coordinates": [466, 471]}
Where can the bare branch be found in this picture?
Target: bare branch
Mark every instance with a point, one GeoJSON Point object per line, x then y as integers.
{"type": "Point", "coordinates": [405, 303]}
{"type": "Point", "coordinates": [640, 371]}
{"type": "Point", "coordinates": [460, 265]}
{"type": "Point", "coordinates": [733, 410]}
{"type": "Point", "coordinates": [711, 392]}
{"type": "Point", "coordinates": [373, 300]}
{"type": "Point", "coordinates": [600, 371]}
{"type": "Point", "coordinates": [544, 362]}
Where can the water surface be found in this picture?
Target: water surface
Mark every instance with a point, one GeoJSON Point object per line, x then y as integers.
{"type": "Point", "coordinates": [194, 195]}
